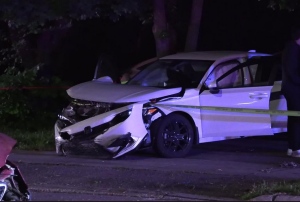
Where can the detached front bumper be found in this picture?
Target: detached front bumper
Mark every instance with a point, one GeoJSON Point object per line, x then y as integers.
{"type": "Point", "coordinates": [115, 133]}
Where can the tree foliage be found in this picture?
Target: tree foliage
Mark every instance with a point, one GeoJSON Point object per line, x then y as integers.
{"type": "Point", "coordinates": [36, 14]}
{"type": "Point", "coordinates": [25, 19]}
{"type": "Point", "coordinates": [29, 107]}
{"type": "Point", "coordinates": [28, 17]}
{"type": "Point", "coordinates": [32, 17]}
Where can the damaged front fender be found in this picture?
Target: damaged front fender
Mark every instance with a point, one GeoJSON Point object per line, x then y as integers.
{"type": "Point", "coordinates": [117, 131]}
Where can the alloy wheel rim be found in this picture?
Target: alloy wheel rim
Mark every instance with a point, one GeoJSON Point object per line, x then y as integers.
{"type": "Point", "coordinates": [176, 136]}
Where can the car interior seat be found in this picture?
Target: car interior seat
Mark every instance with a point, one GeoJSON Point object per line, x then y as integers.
{"type": "Point", "coordinates": [187, 74]}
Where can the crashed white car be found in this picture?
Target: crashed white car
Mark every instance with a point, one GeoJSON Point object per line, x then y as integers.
{"type": "Point", "coordinates": [146, 111]}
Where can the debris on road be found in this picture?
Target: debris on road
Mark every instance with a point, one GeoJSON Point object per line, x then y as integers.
{"type": "Point", "coordinates": [288, 165]}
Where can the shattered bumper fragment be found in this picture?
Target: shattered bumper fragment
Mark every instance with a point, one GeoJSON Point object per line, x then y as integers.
{"type": "Point", "coordinates": [112, 133]}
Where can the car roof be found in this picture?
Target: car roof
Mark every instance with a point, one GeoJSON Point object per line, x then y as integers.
{"type": "Point", "coordinates": [211, 55]}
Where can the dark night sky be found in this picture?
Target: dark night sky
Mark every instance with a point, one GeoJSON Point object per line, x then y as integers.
{"type": "Point", "coordinates": [244, 25]}
{"type": "Point", "coordinates": [226, 25]}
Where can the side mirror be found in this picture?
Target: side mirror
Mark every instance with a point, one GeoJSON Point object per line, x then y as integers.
{"type": "Point", "coordinates": [213, 87]}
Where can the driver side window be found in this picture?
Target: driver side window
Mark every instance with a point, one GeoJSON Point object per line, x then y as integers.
{"type": "Point", "coordinates": [257, 72]}
{"type": "Point", "coordinates": [231, 80]}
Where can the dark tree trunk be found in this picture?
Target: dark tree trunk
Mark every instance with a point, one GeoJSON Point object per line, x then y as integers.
{"type": "Point", "coordinates": [194, 26]}
{"type": "Point", "coordinates": [49, 40]}
{"type": "Point", "coordinates": [165, 37]}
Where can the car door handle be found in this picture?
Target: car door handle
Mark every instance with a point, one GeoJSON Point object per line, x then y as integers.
{"type": "Point", "coordinates": [258, 95]}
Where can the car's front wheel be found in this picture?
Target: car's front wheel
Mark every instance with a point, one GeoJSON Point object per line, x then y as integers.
{"type": "Point", "coordinates": [173, 136]}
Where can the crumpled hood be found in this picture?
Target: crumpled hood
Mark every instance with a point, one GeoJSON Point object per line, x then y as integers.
{"type": "Point", "coordinates": [108, 92]}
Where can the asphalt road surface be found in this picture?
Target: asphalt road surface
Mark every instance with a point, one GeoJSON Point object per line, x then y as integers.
{"type": "Point", "coordinates": [220, 169]}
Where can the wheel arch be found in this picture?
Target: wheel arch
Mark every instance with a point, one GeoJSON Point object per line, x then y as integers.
{"type": "Point", "coordinates": [191, 120]}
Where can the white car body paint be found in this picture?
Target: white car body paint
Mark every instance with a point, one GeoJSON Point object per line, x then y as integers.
{"type": "Point", "coordinates": [211, 125]}
{"type": "Point", "coordinates": [191, 97]}
{"type": "Point", "coordinates": [133, 124]}
{"type": "Point", "coordinates": [95, 121]}
{"type": "Point", "coordinates": [236, 124]}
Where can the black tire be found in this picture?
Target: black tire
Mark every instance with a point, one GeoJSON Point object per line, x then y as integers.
{"type": "Point", "coordinates": [173, 136]}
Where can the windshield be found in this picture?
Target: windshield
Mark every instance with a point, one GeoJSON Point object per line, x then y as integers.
{"type": "Point", "coordinates": [172, 73]}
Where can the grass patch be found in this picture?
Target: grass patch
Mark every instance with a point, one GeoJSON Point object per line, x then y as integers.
{"type": "Point", "coordinates": [38, 140]}
{"type": "Point", "coordinates": [265, 188]}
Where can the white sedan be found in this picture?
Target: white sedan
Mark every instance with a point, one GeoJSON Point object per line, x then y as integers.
{"type": "Point", "coordinates": [147, 112]}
